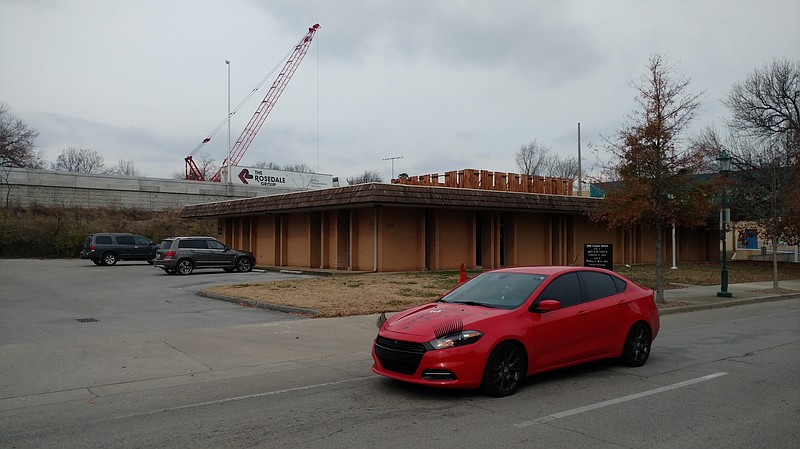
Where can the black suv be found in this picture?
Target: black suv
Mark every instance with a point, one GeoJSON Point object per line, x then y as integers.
{"type": "Point", "coordinates": [183, 255]}
{"type": "Point", "coordinates": [108, 248]}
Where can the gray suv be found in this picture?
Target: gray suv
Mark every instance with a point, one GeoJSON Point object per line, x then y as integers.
{"type": "Point", "coordinates": [183, 255]}
{"type": "Point", "coordinates": [107, 248]}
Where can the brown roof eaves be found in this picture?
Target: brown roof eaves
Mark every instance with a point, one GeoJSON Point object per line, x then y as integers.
{"type": "Point", "coordinates": [364, 195]}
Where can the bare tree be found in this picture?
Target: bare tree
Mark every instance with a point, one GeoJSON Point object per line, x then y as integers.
{"type": "Point", "coordinates": [561, 168]}
{"type": "Point", "coordinates": [654, 177]}
{"type": "Point", "coordinates": [79, 160]}
{"type": "Point", "coordinates": [299, 168]}
{"type": "Point", "coordinates": [267, 165]}
{"type": "Point", "coordinates": [764, 142]}
{"type": "Point", "coordinates": [364, 178]}
{"type": "Point", "coordinates": [17, 141]}
{"type": "Point", "coordinates": [207, 165]}
{"type": "Point", "coordinates": [124, 168]}
{"type": "Point", "coordinates": [531, 158]}
{"type": "Point", "coordinates": [766, 105]}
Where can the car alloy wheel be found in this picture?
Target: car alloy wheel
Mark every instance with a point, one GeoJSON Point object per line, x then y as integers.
{"type": "Point", "coordinates": [243, 265]}
{"type": "Point", "coordinates": [185, 267]}
{"type": "Point", "coordinates": [504, 370]}
{"type": "Point", "coordinates": [109, 259]}
{"type": "Point", "coordinates": [637, 345]}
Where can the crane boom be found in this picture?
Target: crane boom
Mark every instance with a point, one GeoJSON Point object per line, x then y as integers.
{"type": "Point", "coordinates": [265, 107]}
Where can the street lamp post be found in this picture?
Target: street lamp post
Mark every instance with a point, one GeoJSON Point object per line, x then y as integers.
{"type": "Point", "coordinates": [724, 167]}
{"type": "Point", "coordinates": [228, 159]}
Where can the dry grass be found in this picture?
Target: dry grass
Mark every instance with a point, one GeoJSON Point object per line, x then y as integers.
{"type": "Point", "coordinates": [362, 294]}
{"type": "Point", "coordinates": [707, 273]}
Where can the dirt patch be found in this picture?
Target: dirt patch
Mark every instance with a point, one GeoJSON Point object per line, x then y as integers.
{"type": "Point", "coordinates": [358, 294]}
{"type": "Point", "coordinates": [348, 295]}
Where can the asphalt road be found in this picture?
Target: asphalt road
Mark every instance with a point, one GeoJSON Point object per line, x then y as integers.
{"type": "Point", "coordinates": [719, 378]}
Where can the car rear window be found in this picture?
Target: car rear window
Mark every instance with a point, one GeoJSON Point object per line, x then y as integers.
{"type": "Point", "coordinates": [621, 285]}
{"type": "Point", "coordinates": [125, 239]}
{"type": "Point", "coordinates": [165, 244]}
{"type": "Point", "coordinates": [193, 244]}
{"type": "Point", "coordinates": [598, 285]}
{"type": "Point", "coordinates": [103, 240]}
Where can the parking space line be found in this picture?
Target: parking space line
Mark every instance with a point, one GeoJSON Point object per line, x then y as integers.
{"type": "Point", "coordinates": [630, 397]}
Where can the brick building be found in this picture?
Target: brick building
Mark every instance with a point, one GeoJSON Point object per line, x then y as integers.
{"type": "Point", "coordinates": [424, 225]}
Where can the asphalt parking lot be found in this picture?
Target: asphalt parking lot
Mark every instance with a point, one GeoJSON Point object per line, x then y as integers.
{"type": "Point", "coordinates": [51, 299]}
{"type": "Point", "coordinates": [163, 367]}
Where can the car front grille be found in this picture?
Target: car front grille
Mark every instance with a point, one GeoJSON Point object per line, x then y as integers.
{"type": "Point", "coordinates": [399, 356]}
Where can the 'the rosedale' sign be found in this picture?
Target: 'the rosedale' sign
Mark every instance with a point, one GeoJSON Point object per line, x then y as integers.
{"type": "Point", "coordinates": [279, 178]}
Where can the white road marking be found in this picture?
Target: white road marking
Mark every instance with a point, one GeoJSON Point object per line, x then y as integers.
{"type": "Point", "coordinates": [630, 397]}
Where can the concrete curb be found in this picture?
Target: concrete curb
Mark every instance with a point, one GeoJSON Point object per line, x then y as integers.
{"type": "Point", "coordinates": [724, 304]}
{"type": "Point", "coordinates": [260, 305]}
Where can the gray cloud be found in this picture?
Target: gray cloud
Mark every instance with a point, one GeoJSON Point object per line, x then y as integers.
{"type": "Point", "coordinates": [447, 84]}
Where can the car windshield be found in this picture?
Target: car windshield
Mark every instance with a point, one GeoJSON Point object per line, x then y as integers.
{"type": "Point", "coordinates": [500, 290]}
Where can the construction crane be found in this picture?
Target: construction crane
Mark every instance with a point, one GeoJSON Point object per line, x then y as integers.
{"type": "Point", "coordinates": [262, 112]}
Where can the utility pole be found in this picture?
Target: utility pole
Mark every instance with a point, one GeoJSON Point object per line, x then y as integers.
{"type": "Point", "coordinates": [580, 173]}
{"type": "Point", "coordinates": [392, 159]}
{"type": "Point", "coordinates": [228, 159]}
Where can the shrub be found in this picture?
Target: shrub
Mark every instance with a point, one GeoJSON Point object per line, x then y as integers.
{"type": "Point", "coordinates": [58, 232]}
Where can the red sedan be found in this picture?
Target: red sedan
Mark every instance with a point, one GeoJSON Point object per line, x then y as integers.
{"type": "Point", "coordinates": [503, 325]}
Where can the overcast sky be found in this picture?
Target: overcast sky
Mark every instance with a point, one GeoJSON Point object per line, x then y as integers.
{"type": "Point", "coordinates": [445, 84]}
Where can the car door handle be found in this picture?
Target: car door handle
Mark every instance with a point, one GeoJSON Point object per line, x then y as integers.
{"type": "Point", "coordinates": [583, 313]}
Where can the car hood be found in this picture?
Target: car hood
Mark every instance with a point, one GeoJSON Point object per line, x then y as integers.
{"type": "Point", "coordinates": [439, 318]}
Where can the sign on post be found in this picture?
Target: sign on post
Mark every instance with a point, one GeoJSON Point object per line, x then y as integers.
{"type": "Point", "coordinates": [598, 255]}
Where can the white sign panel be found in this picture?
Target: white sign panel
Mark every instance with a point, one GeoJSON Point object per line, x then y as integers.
{"type": "Point", "coordinates": [278, 178]}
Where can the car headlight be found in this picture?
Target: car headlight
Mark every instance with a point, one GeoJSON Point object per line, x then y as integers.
{"type": "Point", "coordinates": [458, 339]}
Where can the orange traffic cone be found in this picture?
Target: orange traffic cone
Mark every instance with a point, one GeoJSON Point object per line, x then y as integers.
{"type": "Point", "coordinates": [463, 276]}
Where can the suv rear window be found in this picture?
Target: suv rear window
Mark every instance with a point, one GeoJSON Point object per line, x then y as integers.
{"type": "Point", "coordinates": [103, 240]}
{"type": "Point", "coordinates": [125, 239]}
{"type": "Point", "coordinates": [165, 244]}
{"type": "Point", "coordinates": [194, 244]}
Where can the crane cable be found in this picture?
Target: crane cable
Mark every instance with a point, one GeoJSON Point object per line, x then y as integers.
{"type": "Point", "coordinates": [252, 92]}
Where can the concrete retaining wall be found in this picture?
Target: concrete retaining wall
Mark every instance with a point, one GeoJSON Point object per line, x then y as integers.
{"type": "Point", "coordinates": [22, 187]}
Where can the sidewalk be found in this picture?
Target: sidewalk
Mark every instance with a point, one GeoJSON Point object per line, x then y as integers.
{"type": "Point", "coordinates": [692, 298]}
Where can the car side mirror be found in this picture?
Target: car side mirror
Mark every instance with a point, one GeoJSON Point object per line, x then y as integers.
{"type": "Point", "coordinates": [547, 305]}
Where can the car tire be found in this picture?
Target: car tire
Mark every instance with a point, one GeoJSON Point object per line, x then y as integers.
{"type": "Point", "coordinates": [109, 258]}
{"type": "Point", "coordinates": [97, 262]}
{"type": "Point", "coordinates": [168, 271]}
{"type": "Point", "coordinates": [244, 265]}
{"type": "Point", "coordinates": [184, 267]}
{"type": "Point", "coordinates": [150, 262]}
{"type": "Point", "coordinates": [229, 269]}
{"type": "Point", "coordinates": [505, 370]}
{"type": "Point", "coordinates": [637, 345]}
